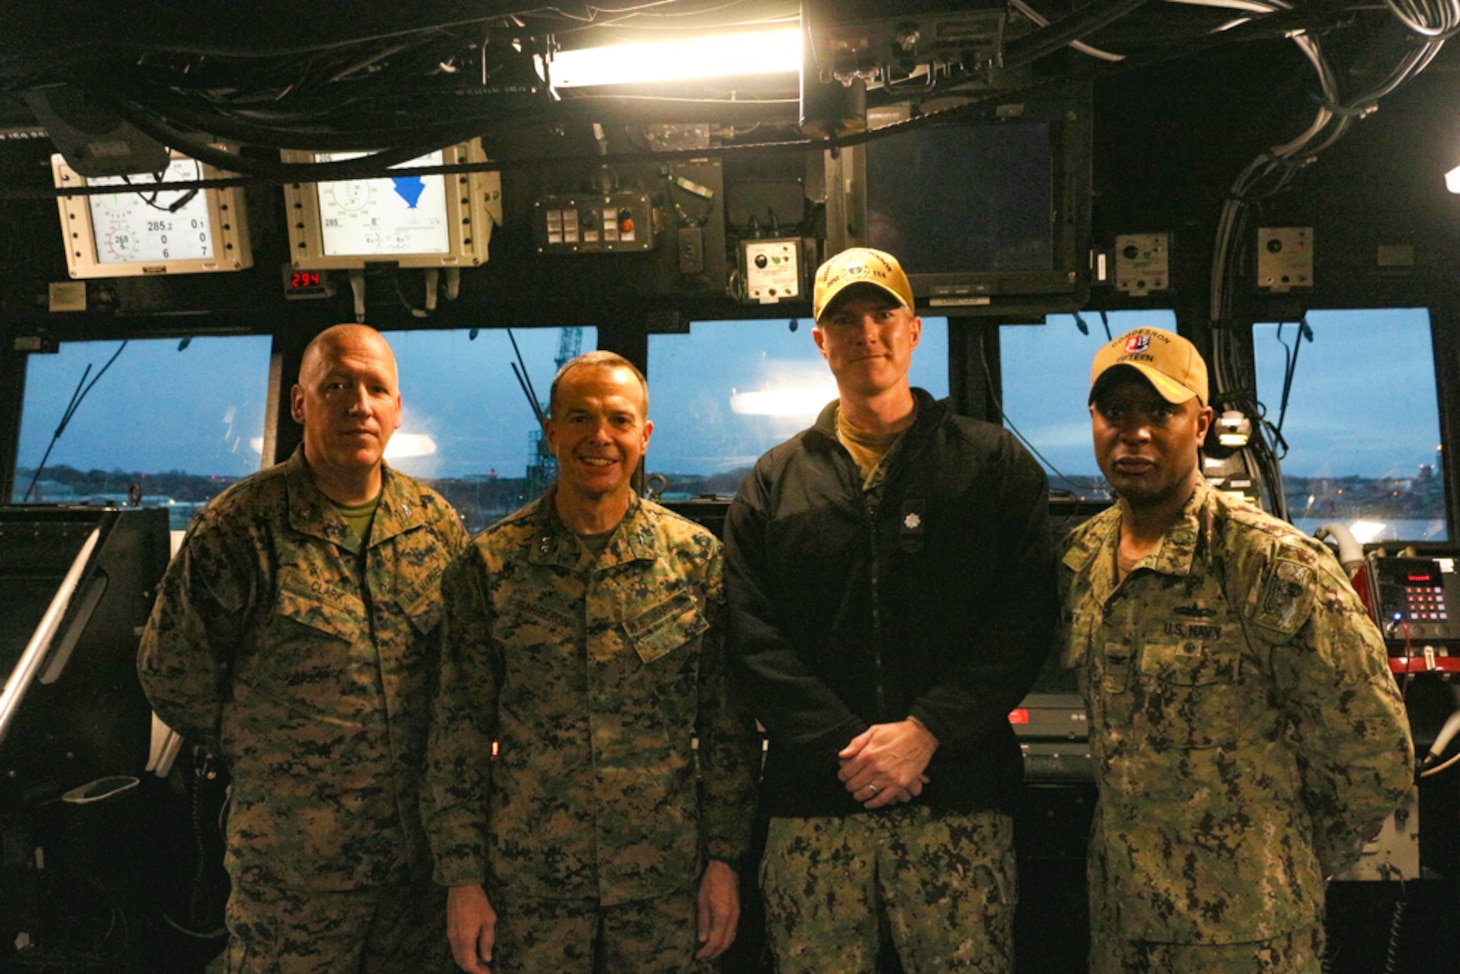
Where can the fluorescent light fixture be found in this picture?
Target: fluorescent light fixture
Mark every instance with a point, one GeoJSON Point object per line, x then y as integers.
{"type": "Point", "coordinates": [1452, 180]}
{"type": "Point", "coordinates": [723, 55]}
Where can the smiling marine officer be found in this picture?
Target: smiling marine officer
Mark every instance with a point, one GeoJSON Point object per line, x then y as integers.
{"type": "Point", "coordinates": [591, 784]}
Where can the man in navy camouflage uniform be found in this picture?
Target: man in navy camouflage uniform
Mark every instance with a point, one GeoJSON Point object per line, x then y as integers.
{"type": "Point", "coordinates": [590, 790]}
{"type": "Point", "coordinates": [892, 581]}
{"type": "Point", "coordinates": [294, 636]}
{"type": "Point", "coordinates": [1246, 731]}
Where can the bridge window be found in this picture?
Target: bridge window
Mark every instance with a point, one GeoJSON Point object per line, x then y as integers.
{"type": "Point", "coordinates": [467, 427]}
{"type": "Point", "coordinates": [730, 390]}
{"type": "Point", "coordinates": [1046, 381]}
{"type": "Point", "coordinates": [1362, 421]}
{"type": "Point", "coordinates": [179, 419]}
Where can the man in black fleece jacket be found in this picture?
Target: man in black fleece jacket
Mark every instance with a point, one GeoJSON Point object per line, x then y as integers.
{"type": "Point", "coordinates": [892, 590]}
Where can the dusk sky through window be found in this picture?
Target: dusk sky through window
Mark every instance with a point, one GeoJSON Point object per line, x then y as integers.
{"type": "Point", "coordinates": [1363, 399]}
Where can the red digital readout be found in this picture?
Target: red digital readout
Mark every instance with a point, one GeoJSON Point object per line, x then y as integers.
{"type": "Point", "coordinates": [304, 279]}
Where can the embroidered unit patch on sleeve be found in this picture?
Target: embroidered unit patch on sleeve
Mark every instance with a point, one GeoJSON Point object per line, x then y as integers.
{"type": "Point", "coordinates": [1286, 595]}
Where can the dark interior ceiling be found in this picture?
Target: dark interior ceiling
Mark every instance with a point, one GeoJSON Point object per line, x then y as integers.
{"type": "Point", "coordinates": [1177, 117]}
{"type": "Point", "coordinates": [376, 75]}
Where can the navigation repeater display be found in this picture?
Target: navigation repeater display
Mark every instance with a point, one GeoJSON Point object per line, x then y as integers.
{"type": "Point", "coordinates": [405, 220]}
{"type": "Point", "coordinates": [389, 215]}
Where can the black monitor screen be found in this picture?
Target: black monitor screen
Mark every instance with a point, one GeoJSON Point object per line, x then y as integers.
{"type": "Point", "coordinates": [952, 199]}
{"type": "Point", "coordinates": [987, 208]}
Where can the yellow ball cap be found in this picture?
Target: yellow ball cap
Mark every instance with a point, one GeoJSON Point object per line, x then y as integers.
{"type": "Point", "coordinates": [859, 265]}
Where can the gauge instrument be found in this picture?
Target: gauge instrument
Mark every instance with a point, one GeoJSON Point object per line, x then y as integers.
{"type": "Point", "coordinates": [145, 227]}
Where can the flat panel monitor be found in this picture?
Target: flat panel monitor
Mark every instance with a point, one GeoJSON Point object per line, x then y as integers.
{"type": "Point", "coordinates": [988, 211]}
{"type": "Point", "coordinates": [407, 221]}
{"type": "Point", "coordinates": [145, 228]}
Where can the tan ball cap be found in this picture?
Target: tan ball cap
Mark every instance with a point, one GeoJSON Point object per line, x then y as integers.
{"type": "Point", "coordinates": [1171, 363]}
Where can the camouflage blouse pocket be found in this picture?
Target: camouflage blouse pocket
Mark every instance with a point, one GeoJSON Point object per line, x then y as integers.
{"type": "Point", "coordinates": [664, 627]}
{"type": "Point", "coordinates": [422, 603]}
{"type": "Point", "coordinates": [1192, 694]}
{"type": "Point", "coordinates": [320, 605]}
{"type": "Point", "coordinates": [1187, 663]}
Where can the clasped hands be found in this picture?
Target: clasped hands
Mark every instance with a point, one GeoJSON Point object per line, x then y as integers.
{"type": "Point", "coordinates": [884, 764]}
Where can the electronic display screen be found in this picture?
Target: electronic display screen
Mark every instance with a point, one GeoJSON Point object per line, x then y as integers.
{"type": "Point", "coordinates": [955, 199]}
{"type": "Point", "coordinates": [389, 220]}
{"type": "Point", "coordinates": [1412, 571]}
{"type": "Point", "coordinates": [146, 223]}
{"type": "Point", "coordinates": [384, 216]}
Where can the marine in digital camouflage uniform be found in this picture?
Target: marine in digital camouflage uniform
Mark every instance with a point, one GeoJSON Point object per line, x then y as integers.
{"type": "Point", "coordinates": [299, 647]}
{"type": "Point", "coordinates": [1246, 731]}
{"type": "Point", "coordinates": [584, 636]}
